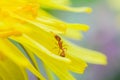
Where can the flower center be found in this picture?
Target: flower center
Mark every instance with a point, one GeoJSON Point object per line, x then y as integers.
{"type": "Point", "coordinates": [23, 8]}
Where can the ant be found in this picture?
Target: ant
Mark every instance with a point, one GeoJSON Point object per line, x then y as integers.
{"type": "Point", "coordinates": [60, 44]}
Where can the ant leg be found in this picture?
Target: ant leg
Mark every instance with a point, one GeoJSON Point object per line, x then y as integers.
{"type": "Point", "coordinates": [56, 47]}
{"type": "Point", "coordinates": [59, 52]}
{"type": "Point", "coordinates": [65, 49]}
{"type": "Point", "coordinates": [65, 45]}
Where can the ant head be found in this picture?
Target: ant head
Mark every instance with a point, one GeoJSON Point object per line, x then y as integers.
{"type": "Point", "coordinates": [57, 38]}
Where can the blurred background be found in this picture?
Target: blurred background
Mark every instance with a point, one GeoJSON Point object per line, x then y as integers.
{"type": "Point", "coordinates": [103, 36]}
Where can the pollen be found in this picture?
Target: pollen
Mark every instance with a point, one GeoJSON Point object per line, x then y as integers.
{"type": "Point", "coordinates": [28, 10]}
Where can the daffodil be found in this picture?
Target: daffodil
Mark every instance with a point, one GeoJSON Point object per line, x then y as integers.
{"type": "Point", "coordinates": [25, 22]}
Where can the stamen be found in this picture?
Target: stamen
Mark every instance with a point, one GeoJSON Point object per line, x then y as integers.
{"type": "Point", "coordinates": [29, 10]}
{"type": "Point", "coordinates": [1, 56]}
{"type": "Point", "coordinates": [7, 33]}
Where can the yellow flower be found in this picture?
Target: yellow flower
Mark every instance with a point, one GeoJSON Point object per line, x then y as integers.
{"type": "Point", "coordinates": [25, 22]}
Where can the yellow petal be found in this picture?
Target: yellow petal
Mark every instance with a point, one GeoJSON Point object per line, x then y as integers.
{"type": "Point", "coordinates": [53, 5]}
{"type": "Point", "coordinates": [87, 55]}
{"type": "Point", "coordinates": [82, 27]}
{"type": "Point", "coordinates": [31, 44]}
{"type": "Point", "coordinates": [48, 72]}
{"type": "Point", "coordinates": [15, 55]}
{"type": "Point", "coordinates": [73, 34]}
{"type": "Point", "coordinates": [60, 71]}
{"type": "Point", "coordinates": [10, 73]}
{"type": "Point", "coordinates": [41, 23]}
{"type": "Point", "coordinates": [77, 65]}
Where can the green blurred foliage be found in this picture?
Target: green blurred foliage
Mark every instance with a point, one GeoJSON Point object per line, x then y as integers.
{"type": "Point", "coordinates": [83, 2]}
